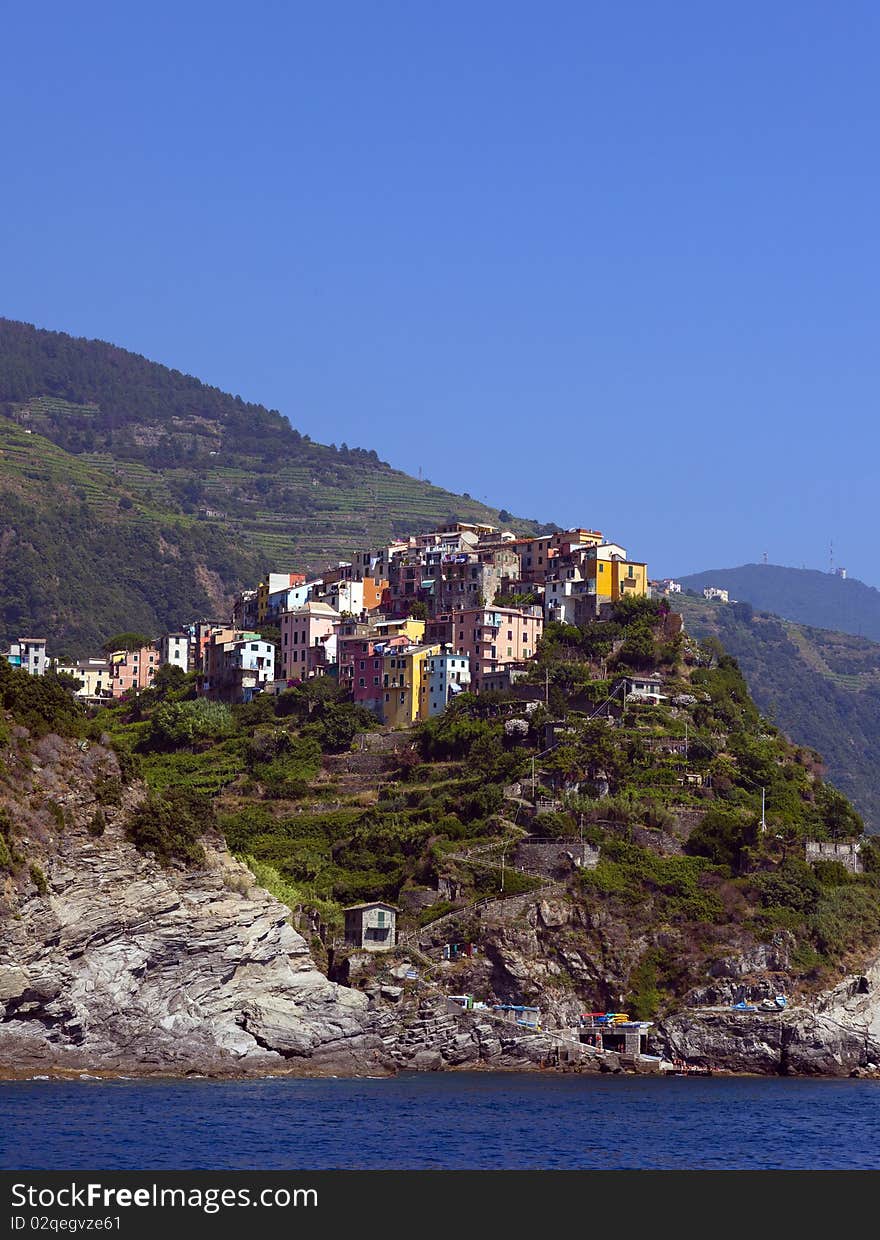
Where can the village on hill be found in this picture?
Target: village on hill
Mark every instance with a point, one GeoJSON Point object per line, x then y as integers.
{"type": "Point", "coordinates": [404, 627]}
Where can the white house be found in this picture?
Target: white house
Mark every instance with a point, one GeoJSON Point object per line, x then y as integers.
{"type": "Point", "coordinates": [448, 675]}
{"type": "Point", "coordinates": [646, 687]}
{"type": "Point", "coordinates": [174, 649]}
{"type": "Point", "coordinates": [28, 654]}
{"type": "Point", "coordinates": [715, 592]}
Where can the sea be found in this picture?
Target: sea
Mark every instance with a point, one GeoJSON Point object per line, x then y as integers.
{"type": "Point", "coordinates": [441, 1121]}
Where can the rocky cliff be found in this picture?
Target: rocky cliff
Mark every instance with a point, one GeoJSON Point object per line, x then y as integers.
{"type": "Point", "coordinates": [111, 962]}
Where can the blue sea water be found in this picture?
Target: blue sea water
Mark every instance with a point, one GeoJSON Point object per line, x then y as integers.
{"type": "Point", "coordinates": [454, 1120]}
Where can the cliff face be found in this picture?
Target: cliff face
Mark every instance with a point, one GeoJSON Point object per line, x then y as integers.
{"type": "Point", "coordinates": [838, 1034]}
{"type": "Point", "coordinates": [121, 964]}
{"type": "Point", "coordinates": [111, 962]}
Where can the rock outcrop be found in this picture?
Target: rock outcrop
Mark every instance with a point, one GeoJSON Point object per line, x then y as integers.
{"type": "Point", "coordinates": [836, 1035]}
{"type": "Point", "coordinates": [125, 966]}
{"type": "Point", "coordinates": [110, 961]}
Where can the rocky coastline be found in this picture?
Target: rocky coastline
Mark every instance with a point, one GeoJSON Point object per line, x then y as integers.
{"type": "Point", "coordinates": [114, 965]}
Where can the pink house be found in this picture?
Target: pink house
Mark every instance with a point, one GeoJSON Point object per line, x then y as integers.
{"type": "Point", "coordinates": [133, 669]}
{"type": "Point", "coordinates": [308, 640]}
{"type": "Point", "coordinates": [494, 636]}
{"type": "Point", "coordinates": [361, 662]}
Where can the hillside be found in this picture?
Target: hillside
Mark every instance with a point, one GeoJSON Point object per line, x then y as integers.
{"type": "Point", "coordinates": [633, 877]}
{"type": "Point", "coordinates": [438, 819]}
{"type": "Point", "coordinates": [821, 687]}
{"type": "Point", "coordinates": [199, 490]}
{"type": "Point", "coordinates": [822, 600]}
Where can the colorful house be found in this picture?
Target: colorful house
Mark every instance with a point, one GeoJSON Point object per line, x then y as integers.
{"type": "Point", "coordinates": [492, 637]}
{"type": "Point", "coordinates": [308, 640]}
{"type": "Point", "coordinates": [448, 675]}
{"type": "Point", "coordinates": [95, 677]}
{"type": "Point", "coordinates": [133, 669]}
{"type": "Point", "coordinates": [29, 655]}
{"type": "Point", "coordinates": [238, 666]}
{"type": "Point", "coordinates": [405, 685]}
{"type": "Point", "coordinates": [174, 648]}
{"type": "Point", "coordinates": [274, 583]}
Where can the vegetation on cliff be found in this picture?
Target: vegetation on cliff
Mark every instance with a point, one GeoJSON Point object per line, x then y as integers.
{"type": "Point", "coordinates": [331, 811]}
{"type": "Point", "coordinates": [819, 686]}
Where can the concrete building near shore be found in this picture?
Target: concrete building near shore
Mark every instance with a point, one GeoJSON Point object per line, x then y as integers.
{"type": "Point", "coordinates": [371, 926]}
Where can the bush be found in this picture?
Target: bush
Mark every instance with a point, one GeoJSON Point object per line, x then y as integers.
{"type": "Point", "coordinates": [108, 790]}
{"type": "Point", "coordinates": [175, 724]}
{"type": "Point", "coordinates": [723, 838]}
{"type": "Point", "coordinates": [793, 885]}
{"type": "Point", "coordinates": [38, 878]}
{"type": "Point", "coordinates": [170, 825]}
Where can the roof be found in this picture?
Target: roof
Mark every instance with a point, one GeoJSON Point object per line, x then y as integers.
{"type": "Point", "coordinates": [321, 609]}
{"type": "Point", "coordinates": [358, 908]}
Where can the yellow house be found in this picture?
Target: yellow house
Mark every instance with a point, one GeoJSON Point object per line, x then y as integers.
{"type": "Point", "coordinates": [412, 629]}
{"type": "Point", "coordinates": [629, 579]}
{"type": "Point", "coordinates": [614, 576]}
{"type": "Point", "coordinates": [262, 601]}
{"type": "Point", "coordinates": [405, 685]}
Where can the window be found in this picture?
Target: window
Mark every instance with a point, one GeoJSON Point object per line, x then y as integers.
{"type": "Point", "coordinates": [362, 682]}
{"type": "Point", "coordinates": [380, 917]}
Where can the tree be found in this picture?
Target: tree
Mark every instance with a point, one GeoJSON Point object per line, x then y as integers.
{"type": "Point", "coordinates": [126, 641]}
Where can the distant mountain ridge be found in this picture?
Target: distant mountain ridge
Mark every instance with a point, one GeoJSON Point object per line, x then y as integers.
{"type": "Point", "coordinates": [821, 687]}
{"type": "Point", "coordinates": [804, 595]}
{"type": "Point", "coordinates": [133, 496]}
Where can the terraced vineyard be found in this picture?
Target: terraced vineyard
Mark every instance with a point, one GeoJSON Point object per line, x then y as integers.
{"type": "Point", "coordinates": [822, 687]}
{"type": "Point", "coordinates": [215, 490]}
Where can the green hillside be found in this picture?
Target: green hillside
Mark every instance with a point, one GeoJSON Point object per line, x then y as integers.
{"type": "Point", "coordinates": [426, 818]}
{"type": "Point", "coordinates": [822, 688]}
{"type": "Point", "coordinates": [201, 491]}
{"type": "Point", "coordinates": [804, 595]}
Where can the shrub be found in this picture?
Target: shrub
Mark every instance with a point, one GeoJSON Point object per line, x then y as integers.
{"type": "Point", "coordinates": [38, 878]}
{"type": "Point", "coordinates": [108, 789]}
{"type": "Point", "coordinates": [723, 838]}
{"type": "Point", "coordinates": [170, 825]}
{"type": "Point", "coordinates": [185, 723]}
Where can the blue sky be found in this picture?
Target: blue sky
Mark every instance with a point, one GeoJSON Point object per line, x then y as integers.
{"type": "Point", "coordinates": [603, 264]}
